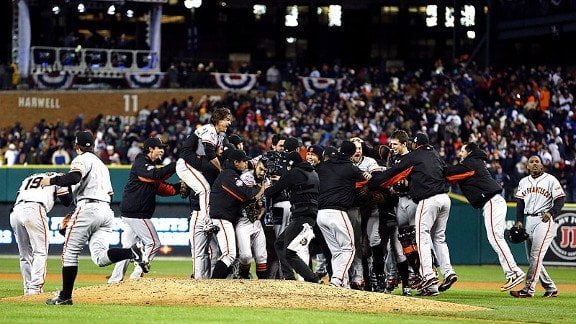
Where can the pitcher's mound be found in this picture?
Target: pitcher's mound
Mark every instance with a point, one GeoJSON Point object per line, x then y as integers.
{"type": "Point", "coordinates": [252, 293]}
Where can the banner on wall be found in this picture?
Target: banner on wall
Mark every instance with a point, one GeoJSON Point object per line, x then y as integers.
{"type": "Point", "coordinates": [235, 81]}
{"type": "Point", "coordinates": [53, 80]}
{"type": "Point", "coordinates": [562, 250]}
{"type": "Point", "coordinates": [321, 84]}
{"type": "Point", "coordinates": [144, 80]}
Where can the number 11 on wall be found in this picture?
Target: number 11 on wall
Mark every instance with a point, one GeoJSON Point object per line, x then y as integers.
{"type": "Point", "coordinates": [130, 101]}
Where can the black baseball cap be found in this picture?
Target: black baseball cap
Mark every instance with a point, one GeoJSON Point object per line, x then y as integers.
{"type": "Point", "coordinates": [316, 149]}
{"type": "Point", "coordinates": [84, 139]}
{"type": "Point", "coordinates": [235, 139]}
{"type": "Point", "coordinates": [330, 151]}
{"type": "Point", "coordinates": [237, 155]}
{"type": "Point", "coordinates": [421, 139]}
{"type": "Point", "coordinates": [291, 144]}
{"type": "Point", "coordinates": [348, 148]}
{"type": "Point", "coordinates": [153, 142]}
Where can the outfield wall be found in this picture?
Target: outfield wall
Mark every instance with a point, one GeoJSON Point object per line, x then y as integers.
{"type": "Point", "coordinates": [28, 107]}
{"type": "Point", "coordinates": [466, 234]}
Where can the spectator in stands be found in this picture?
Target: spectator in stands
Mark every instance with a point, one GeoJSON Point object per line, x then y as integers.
{"type": "Point", "coordinates": [11, 155]}
{"type": "Point", "coordinates": [133, 151]}
{"type": "Point", "coordinates": [60, 156]}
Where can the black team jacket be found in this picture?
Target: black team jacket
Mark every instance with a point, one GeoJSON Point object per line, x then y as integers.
{"type": "Point", "coordinates": [229, 194]}
{"type": "Point", "coordinates": [144, 183]}
{"type": "Point", "coordinates": [474, 179]}
{"type": "Point", "coordinates": [338, 177]}
{"type": "Point", "coordinates": [424, 169]}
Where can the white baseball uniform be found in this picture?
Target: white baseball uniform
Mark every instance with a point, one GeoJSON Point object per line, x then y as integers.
{"type": "Point", "coordinates": [30, 225]}
{"type": "Point", "coordinates": [92, 218]}
{"type": "Point", "coordinates": [366, 164]}
{"type": "Point", "coordinates": [539, 195]}
{"type": "Point", "coordinates": [250, 236]}
{"type": "Point", "coordinates": [199, 221]}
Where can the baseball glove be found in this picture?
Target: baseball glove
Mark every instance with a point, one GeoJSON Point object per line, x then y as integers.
{"type": "Point", "coordinates": [515, 234]}
{"type": "Point", "coordinates": [64, 224]}
{"type": "Point", "coordinates": [254, 211]}
{"type": "Point", "coordinates": [184, 189]}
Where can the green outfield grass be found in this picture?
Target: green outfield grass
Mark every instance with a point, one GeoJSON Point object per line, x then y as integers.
{"type": "Point", "coordinates": [505, 308]}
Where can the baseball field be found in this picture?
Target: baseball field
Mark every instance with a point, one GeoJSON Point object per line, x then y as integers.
{"type": "Point", "coordinates": [168, 295]}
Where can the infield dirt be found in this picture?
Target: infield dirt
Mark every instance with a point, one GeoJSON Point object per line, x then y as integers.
{"type": "Point", "coordinates": [251, 293]}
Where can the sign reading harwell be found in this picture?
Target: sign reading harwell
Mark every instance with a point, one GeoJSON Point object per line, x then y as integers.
{"type": "Point", "coordinates": [563, 248]}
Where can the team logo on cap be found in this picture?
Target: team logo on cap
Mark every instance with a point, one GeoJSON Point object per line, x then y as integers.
{"type": "Point", "coordinates": [564, 244]}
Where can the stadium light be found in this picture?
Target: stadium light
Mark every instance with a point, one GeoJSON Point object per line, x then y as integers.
{"type": "Point", "coordinates": [471, 34]}
{"type": "Point", "coordinates": [259, 10]}
{"type": "Point", "coordinates": [290, 40]}
{"type": "Point", "coordinates": [189, 4]}
{"type": "Point", "coordinates": [291, 18]}
{"type": "Point", "coordinates": [129, 13]}
{"type": "Point", "coordinates": [111, 10]}
{"type": "Point", "coordinates": [431, 15]}
{"type": "Point", "coordinates": [55, 10]}
{"type": "Point", "coordinates": [334, 15]}
{"type": "Point", "coordinates": [81, 8]}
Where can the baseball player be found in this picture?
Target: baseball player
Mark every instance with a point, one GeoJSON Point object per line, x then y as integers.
{"type": "Point", "coordinates": [369, 165]}
{"type": "Point", "coordinates": [249, 231]}
{"type": "Point", "coordinates": [228, 196]}
{"type": "Point", "coordinates": [30, 225]}
{"type": "Point", "coordinates": [484, 192]}
{"type": "Point", "coordinates": [425, 172]}
{"type": "Point", "coordinates": [338, 177]}
{"type": "Point", "coordinates": [92, 218]}
{"type": "Point", "coordinates": [139, 202]}
{"type": "Point", "coordinates": [540, 199]}
{"type": "Point", "coordinates": [302, 183]}
{"type": "Point", "coordinates": [198, 167]}
{"type": "Point", "coordinates": [403, 240]}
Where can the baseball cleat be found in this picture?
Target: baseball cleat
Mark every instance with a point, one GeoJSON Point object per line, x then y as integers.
{"type": "Point", "coordinates": [357, 285]}
{"type": "Point", "coordinates": [550, 294]}
{"type": "Point", "coordinates": [406, 292]}
{"type": "Point", "coordinates": [56, 300]}
{"type": "Point", "coordinates": [391, 284]}
{"type": "Point", "coordinates": [448, 282]}
{"type": "Point", "coordinates": [520, 294]}
{"type": "Point", "coordinates": [427, 283]}
{"type": "Point", "coordinates": [513, 281]}
{"type": "Point", "coordinates": [429, 292]}
{"type": "Point", "coordinates": [140, 257]}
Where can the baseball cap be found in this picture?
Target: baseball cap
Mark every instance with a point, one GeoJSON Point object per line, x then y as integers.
{"type": "Point", "coordinates": [294, 157]}
{"type": "Point", "coordinates": [84, 139]}
{"type": "Point", "coordinates": [153, 142]}
{"type": "Point", "coordinates": [237, 155]}
{"type": "Point", "coordinates": [291, 144]}
{"type": "Point", "coordinates": [316, 149]}
{"type": "Point", "coordinates": [348, 148]}
{"type": "Point", "coordinates": [235, 139]}
{"type": "Point", "coordinates": [421, 139]}
{"type": "Point", "coordinates": [330, 152]}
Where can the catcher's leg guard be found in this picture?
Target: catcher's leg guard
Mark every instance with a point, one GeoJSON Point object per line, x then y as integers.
{"type": "Point", "coordinates": [407, 238]}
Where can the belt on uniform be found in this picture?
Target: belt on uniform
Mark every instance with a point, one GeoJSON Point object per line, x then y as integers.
{"type": "Point", "coordinates": [90, 201]}
{"type": "Point", "coordinates": [29, 201]}
{"type": "Point", "coordinates": [535, 215]}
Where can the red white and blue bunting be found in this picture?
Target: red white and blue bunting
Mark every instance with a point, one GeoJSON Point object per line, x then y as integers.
{"type": "Point", "coordinates": [144, 80]}
{"type": "Point", "coordinates": [320, 84]}
{"type": "Point", "coordinates": [53, 80]}
{"type": "Point", "coordinates": [235, 81]}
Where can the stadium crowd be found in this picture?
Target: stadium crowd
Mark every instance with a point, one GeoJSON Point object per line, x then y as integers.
{"type": "Point", "coordinates": [511, 113]}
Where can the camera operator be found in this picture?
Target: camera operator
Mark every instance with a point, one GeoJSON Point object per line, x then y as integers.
{"type": "Point", "coordinates": [302, 183]}
{"type": "Point", "coordinates": [276, 168]}
{"type": "Point", "coordinates": [228, 196]}
{"type": "Point", "coordinates": [269, 159]}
